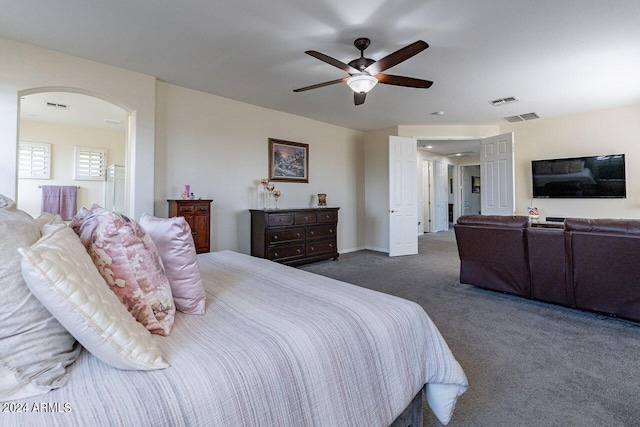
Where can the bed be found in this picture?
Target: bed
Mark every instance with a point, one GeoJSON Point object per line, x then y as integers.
{"type": "Point", "coordinates": [277, 346]}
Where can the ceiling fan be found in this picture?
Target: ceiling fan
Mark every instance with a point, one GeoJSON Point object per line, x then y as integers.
{"type": "Point", "coordinates": [365, 73]}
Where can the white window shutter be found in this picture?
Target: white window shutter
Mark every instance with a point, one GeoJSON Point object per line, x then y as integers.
{"type": "Point", "coordinates": [34, 160]}
{"type": "Point", "coordinates": [90, 164]}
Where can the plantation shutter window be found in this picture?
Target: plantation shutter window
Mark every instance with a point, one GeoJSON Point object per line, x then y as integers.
{"type": "Point", "coordinates": [34, 160]}
{"type": "Point", "coordinates": [90, 164]}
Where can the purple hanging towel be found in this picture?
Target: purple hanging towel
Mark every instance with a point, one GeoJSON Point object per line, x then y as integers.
{"type": "Point", "coordinates": [68, 204]}
{"type": "Point", "coordinates": [60, 199]}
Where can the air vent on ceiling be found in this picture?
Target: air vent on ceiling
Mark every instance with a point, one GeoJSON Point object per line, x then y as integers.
{"type": "Point", "coordinates": [522, 117]}
{"type": "Point", "coordinates": [502, 101]}
{"type": "Point", "coordinates": [55, 105]}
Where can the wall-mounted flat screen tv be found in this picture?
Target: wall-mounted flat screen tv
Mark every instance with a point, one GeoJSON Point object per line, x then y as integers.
{"type": "Point", "coordinates": [577, 177]}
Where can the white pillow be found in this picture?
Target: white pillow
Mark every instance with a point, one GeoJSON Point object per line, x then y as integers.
{"type": "Point", "coordinates": [35, 348]}
{"type": "Point", "coordinates": [47, 219]}
{"type": "Point", "coordinates": [63, 277]}
{"type": "Point", "coordinates": [174, 241]}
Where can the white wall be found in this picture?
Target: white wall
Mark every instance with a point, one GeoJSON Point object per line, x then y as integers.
{"type": "Point", "coordinates": [63, 139]}
{"type": "Point", "coordinates": [24, 68]}
{"type": "Point", "coordinates": [220, 147]}
{"type": "Point", "coordinates": [610, 131]}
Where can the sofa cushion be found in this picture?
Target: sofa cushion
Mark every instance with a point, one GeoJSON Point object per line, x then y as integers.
{"type": "Point", "coordinates": [603, 225]}
{"type": "Point", "coordinates": [174, 241]}
{"type": "Point", "coordinates": [495, 221]}
{"type": "Point", "coordinates": [35, 348]}
{"type": "Point", "coordinates": [130, 263]}
{"type": "Point", "coordinates": [62, 275]}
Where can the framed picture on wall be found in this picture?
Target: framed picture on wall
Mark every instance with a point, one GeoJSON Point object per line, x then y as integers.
{"type": "Point", "coordinates": [475, 184]}
{"type": "Point", "coordinates": [288, 161]}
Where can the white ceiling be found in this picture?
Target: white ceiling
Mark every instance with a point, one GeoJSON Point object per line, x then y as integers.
{"type": "Point", "coordinates": [81, 110]}
{"type": "Point", "coordinates": [557, 56]}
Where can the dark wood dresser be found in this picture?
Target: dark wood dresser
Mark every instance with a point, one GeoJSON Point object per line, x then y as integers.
{"type": "Point", "coordinates": [198, 215]}
{"type": "Point", "coordinates": [294, 236]}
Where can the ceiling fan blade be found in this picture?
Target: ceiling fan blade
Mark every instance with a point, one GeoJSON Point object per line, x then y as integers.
{"type": "Point", "coordinates": [332, 82]}
{"type": "Point", "coordinates": [332, 61]}
{"type": "Point", "coordinates": [396, 57]}
{"type": "Point", "coordinates": [358, 98]}
{"type": "Point", "coordinates": [403, 81]}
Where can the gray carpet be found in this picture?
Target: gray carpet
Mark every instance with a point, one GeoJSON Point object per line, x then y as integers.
{"type": "Point", "coordinates": [528, 363]}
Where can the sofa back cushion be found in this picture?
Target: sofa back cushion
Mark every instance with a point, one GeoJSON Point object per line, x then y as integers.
{"type": "Point", "coordinates": [513, 221]}
{"type": "Point", "coordinates": [603, 225]}
{"type": "Point", "coordinates": [492, 252]}
{"type": "Point", "coordinates": [605, 265]}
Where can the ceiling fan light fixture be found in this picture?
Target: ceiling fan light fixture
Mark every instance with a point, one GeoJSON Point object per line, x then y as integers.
{"type": "Point", "coordinates": [362, 83]}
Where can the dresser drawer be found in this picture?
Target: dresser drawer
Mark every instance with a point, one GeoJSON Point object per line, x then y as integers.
{"type": "Point", "coordinates": [281, 253]}
{"type": "Point", "coordinates": [321, 247]}
{"type": "Point", "coordinates": [327, 216]}
{"type": "Point", "coordinates": [305, 218]}
{"type": "Point", "coordinates": [285, 235]}
{"type": "Point", "coordinates": [320, 231]}
{"type": "Point", "coordinates": [201, 208]}
{"type": "Point", "coordinates": [274, 220]}
{"type": "Point", "coordinates": [186, 209]}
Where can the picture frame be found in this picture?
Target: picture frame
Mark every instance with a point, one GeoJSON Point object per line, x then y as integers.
{"type": "Point", "coordinates": [475, 184]}
{"type": "Point", "coordinates": [288, 161]}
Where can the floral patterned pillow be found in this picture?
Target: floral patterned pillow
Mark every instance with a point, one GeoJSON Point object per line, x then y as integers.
{"type": "Point", "coordinates": [129, 261]}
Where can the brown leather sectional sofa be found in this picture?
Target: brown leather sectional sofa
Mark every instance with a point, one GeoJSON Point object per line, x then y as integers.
{"type": "Point", "coordinates": [590, 264]}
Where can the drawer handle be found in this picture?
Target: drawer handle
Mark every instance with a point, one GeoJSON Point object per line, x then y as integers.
{"type": "Point", "coordinates": [275, 254]}
{"type": "Point", "coordinates": [275, 237]}
{"type": "Point", "coordinates": [202, 209]}
{"type": "Point", "coordinates": [312, 249]}
{"type": "Point", "coordinates": [312, 233]}
{"type": "Point", "coordinates": [297, 234]}
{"type": "Point", "coordinates": [326, 216]}
{"type": "Point", "coordinates": [298, 250]}
{"type": "Point", "coordinates": [331, 230]}
{"type": "Point", "coordinates": [306, 218]}
{"type": "Point", "coordinates": [330, 245]}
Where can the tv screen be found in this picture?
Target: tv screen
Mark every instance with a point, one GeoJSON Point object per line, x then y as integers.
{"type": "Point", "coordinates": [577, 177]}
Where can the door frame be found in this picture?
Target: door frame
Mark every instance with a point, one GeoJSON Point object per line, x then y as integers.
{"type": "Point", "coordinates": [458, 214]}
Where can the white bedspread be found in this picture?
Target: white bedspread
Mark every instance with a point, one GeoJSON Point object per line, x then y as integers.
{"type": "Point", "coordinates": [277, 347]}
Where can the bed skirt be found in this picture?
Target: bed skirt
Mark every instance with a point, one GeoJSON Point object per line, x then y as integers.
{"type": "Point", "coordinates": [412, 415]}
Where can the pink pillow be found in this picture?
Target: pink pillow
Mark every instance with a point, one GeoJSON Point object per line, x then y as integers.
{"type": "Point", "coordinates": [129, 261]}
{"type": "Point", "coordinates": [173, 238]}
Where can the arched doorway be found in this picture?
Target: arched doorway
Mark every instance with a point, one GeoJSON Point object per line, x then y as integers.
{"type": "Point", "coordinates": [70, 123]}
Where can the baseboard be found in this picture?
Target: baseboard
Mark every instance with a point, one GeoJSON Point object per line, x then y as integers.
{"type": "Point", "coordinates": [346, 251]}
{"type": "Point", "coordinates": [371, 248]}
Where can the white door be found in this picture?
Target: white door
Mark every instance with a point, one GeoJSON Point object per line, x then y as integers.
{"type": "Point", "coordinates": [497, 190]}
{"type": "Point", "coordinates": [441, 197]}
{"type": "Point", "coordinates": [403, 196]}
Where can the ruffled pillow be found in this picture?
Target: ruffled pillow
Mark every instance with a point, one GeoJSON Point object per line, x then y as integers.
{"type": "Point", "coordinates": [129, 261]}
{"type": "Point", "coordinates": [61, 274]}
{"type": "Point", "coordinates": [174, 241]}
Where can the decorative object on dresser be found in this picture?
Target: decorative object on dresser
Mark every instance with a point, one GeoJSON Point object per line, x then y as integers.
{"type": "Point", "coordinates": [322, 200]}
{"type": "Point", "coordinates": [294, 236]}
{"type": "Point", "coordinates": [288, 161]}
{"type": "Point", "coordinates": [198, 216]}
